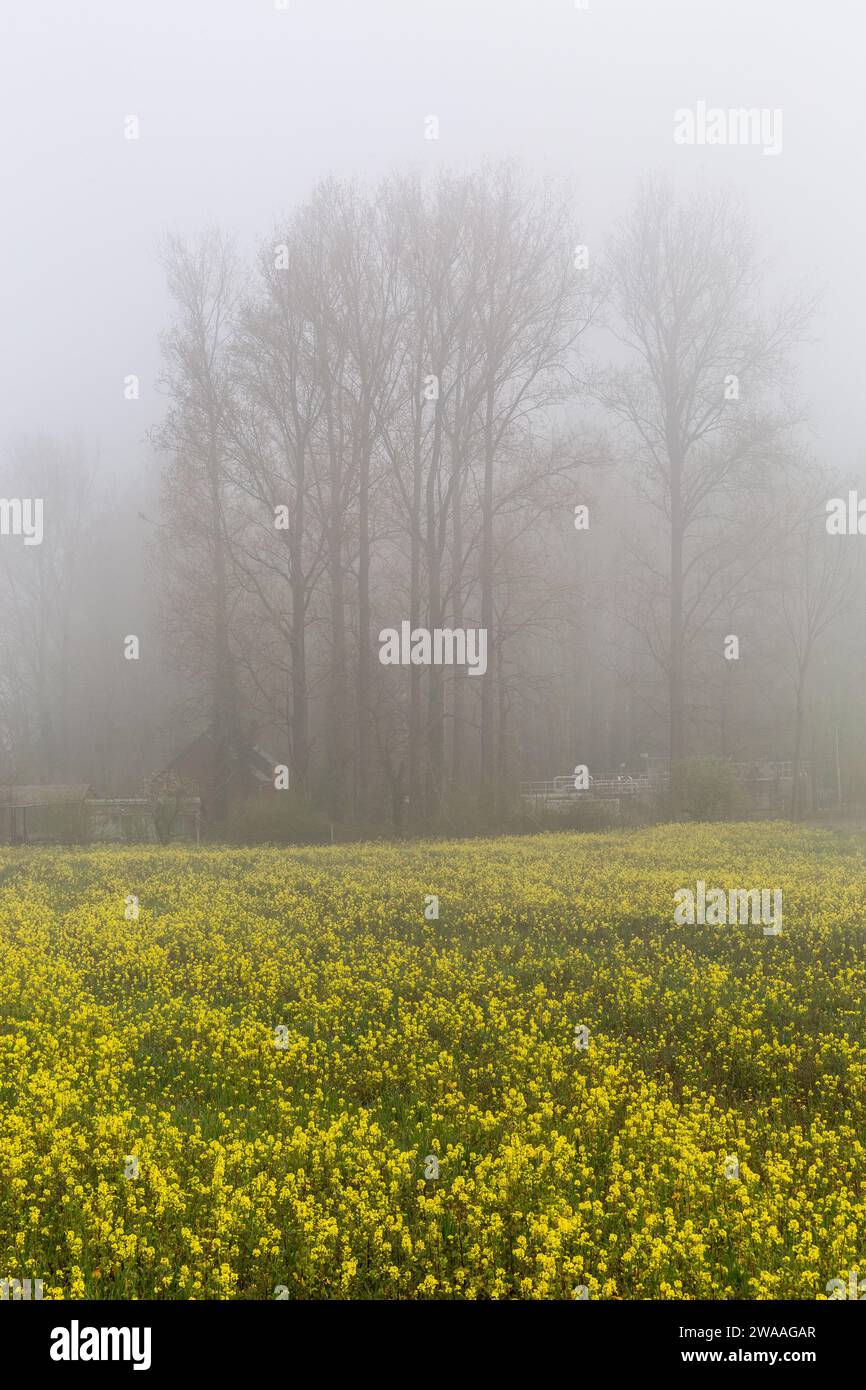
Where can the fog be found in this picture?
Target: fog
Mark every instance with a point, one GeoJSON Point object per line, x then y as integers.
{"type": "Point", "coordinates": [242, 109]}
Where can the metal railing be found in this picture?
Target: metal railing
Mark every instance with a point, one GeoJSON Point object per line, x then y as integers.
{"type": "Point", "coordinates": [563, 788]}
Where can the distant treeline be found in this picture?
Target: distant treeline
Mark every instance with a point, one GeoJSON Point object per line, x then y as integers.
{"type": "Point", "coordinates": [449, 500]}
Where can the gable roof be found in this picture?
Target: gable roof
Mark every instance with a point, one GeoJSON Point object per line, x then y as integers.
{"type": "Point", "coordinates": [256, 760]}
{"type": "Point", "coordinates": [48, 794]}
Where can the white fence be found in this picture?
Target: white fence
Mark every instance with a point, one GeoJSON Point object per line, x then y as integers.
{"type": "Point", "coordinates": [607, 788]}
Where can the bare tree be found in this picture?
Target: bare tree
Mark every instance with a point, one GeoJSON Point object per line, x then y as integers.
{"type": "Point", "coordinates": [203, 282]}
{"type": "Point", "coordinates": [531, 306]}
{"type": "Point", "coordinates": [278, 553]}
{"type": "Point", "coordinates": [693, 398]}
{"type": "Point", "coordinates": [815, 578]}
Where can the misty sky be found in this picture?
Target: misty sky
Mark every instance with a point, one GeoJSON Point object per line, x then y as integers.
{"type": "Point", "coordinates": [242, 107]}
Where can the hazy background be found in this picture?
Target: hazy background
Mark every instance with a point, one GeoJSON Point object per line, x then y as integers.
{"type": "Point", "coordinates": [242, 107]}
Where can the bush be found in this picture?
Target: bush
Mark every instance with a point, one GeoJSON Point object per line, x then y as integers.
{"type": "Point", "coordinates": [586, 813]}
{"type": "Point", "coordinates": [285, 818]}
{"type": "Point", "coordinates": [711, 791]}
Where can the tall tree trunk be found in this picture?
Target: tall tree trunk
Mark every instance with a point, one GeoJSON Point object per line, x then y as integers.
{"type": "Point", "coordinates": [225, 732]}
{"type": "Point", "coordinates": [300, 734]}
{"type": "Point", "coordinates": [677, 658]}
{"type": "Point", "coordinates": [337, 695]}
{"type": "Point", "coordinates": [365, 637]}
{"type": "Point", "coordinates": [502, 736]}
{"type": "Point", "coordinates": [414, 750]}
{"type": "Point", "coordinates": [458, 689]}
{"type": "Point", "coordinates": [436, 677]}
{"type": "Point", "coordinates": [487, 751]}
{"type": "Point", "coordinates": [797, 760]}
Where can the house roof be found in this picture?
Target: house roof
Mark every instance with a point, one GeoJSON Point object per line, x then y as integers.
{"type": "Point", "coordinates": [50, 794]}
{"type": "Point", "coordinates": [258, 762]}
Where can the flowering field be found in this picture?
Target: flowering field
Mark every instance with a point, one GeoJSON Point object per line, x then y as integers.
{"type": "Point", "coordinates": [237, 1093]}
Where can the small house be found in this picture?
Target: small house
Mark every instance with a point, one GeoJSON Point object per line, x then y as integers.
{"type": "Point", "coordinates": [245, 774]}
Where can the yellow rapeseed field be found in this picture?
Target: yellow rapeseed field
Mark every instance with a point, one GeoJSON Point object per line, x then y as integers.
{"type": "Point", "coordinates": [238, 1093]}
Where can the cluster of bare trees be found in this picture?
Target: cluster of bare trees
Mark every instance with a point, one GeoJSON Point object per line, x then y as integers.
{"type": "Point", "coordinates": [363, 431]}
{"type": "Point", "coordinates": [392, 414]}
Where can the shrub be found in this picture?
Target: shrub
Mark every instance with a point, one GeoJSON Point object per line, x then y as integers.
{"type": "Point", "coordinates": [711, 791]}
{"type": "Point", "coordinates": [285, 818]}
